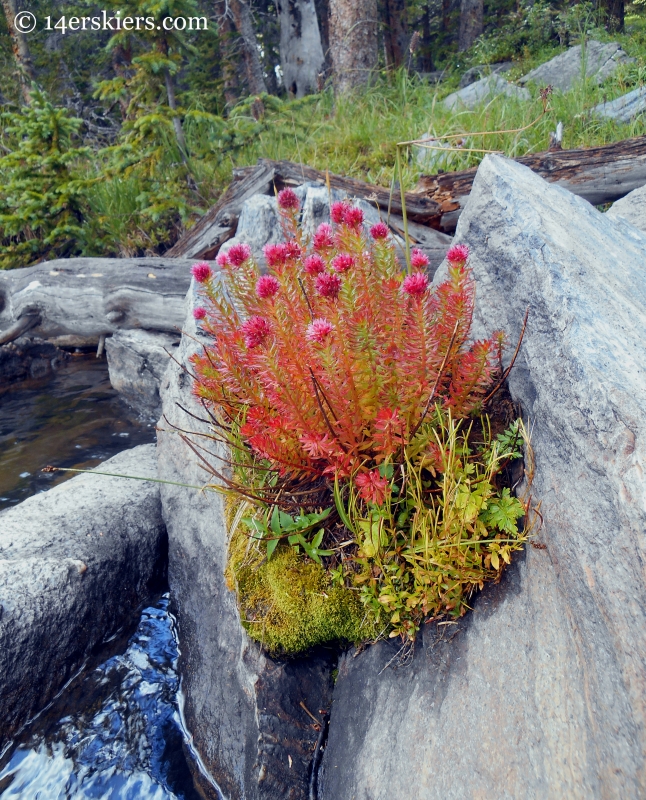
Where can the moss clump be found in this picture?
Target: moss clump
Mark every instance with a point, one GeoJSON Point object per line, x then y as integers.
{"type": "Point", "coordinates": [289, 604]}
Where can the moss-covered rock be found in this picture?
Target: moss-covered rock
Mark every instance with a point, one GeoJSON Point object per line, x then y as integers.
{"type": "Point", "coordinates": [289, 604]}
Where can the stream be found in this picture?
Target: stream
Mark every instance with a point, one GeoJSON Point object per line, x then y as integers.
{"type": "Point", "coordinates": [115, 732]}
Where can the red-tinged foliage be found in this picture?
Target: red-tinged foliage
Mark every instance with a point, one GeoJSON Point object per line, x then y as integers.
{"type": "Point", "coordinates": [329, 360]}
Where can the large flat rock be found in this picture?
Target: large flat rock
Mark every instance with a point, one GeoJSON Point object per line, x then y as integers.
{"type": "Point", "coordinates": [483, 90]}
{"type": "Point", "coordinates": [598, 62]}
{"type": "Point", "coordinates": [76, 562]}
{"type": "Point", "coordinates": [624, 108]}
{"type": "Point", "coordinates": [242, 708]}
{"type": "Point", "coordinates": [541, 691]}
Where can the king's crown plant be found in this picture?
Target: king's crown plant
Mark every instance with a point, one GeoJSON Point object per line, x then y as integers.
{"type": "Point", "coordinates": [368, 488]}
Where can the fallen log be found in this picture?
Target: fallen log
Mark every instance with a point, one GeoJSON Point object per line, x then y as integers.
{"type": "Point", "coordinates": [220, 222]}
{"type": "Point", "coordinates": [86, 298]}
{"type": "Point", "coordinates": [598, 174]}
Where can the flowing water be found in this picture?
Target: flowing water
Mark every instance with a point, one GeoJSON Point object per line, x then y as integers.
{"type": "Point", "coordinates": [115, 732]}
{"type": "Point", "coordinates": [73, 419]}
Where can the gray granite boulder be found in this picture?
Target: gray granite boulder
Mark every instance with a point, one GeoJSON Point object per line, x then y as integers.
{"type": "Point", "coordinates": [483, 90]}
{"type": "Point", "coordinates": [76, 562]}
{"type": "Point", "coordinates": [540, 692]}
{"type": "Point", "coordinates": [137, 361]}
{"type": "Point", "coordinates": [242, 709]}
{"type": "Point", "coordinates": [623, 108]}
{"type": "Point", "coordinates": [632, 208]}
{"type": "Point", "coordinates": [566, 69]}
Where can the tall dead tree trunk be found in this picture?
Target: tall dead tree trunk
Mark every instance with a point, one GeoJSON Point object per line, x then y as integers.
{"type": "Point", "coordinates": [395, 32]}
{"type": "Point", "coordinates": [244, 25]}
{"type": "Point", "coordinates": [21, 54]}
{"type": "Point", "coordinates": [471, 12]}
{"type": "Point", "coordinates": [353, 42]}
{"type": "Point", "coordinates": [301, 52]}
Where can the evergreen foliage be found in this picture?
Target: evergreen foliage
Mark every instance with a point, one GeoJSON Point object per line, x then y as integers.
{"type": "Point", "coordinates": [42, 196]}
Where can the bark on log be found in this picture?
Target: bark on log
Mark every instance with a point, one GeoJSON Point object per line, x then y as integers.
{"type": "Point", "coordinates": [598, 174]}
{"type": "Point", "coordinates": [91, 297]}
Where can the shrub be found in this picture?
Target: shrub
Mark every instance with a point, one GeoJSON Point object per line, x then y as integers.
{"type": "Point", "coordinates": [42, 201]}
{"type": "Point", "coordinates": [352, 404]}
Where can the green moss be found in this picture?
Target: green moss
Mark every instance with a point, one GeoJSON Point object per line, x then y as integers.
{"type": "Point", "coordinates": [289, 605]}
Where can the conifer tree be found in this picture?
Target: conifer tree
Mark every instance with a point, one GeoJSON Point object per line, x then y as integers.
{"type": "Point", "coordinates": [42, 201]}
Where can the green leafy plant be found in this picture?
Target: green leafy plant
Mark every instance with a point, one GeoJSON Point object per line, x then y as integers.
{"type": "Point", "coordinates": [353, 405]}
{"type": "Point", "coordinates": [293, 530]}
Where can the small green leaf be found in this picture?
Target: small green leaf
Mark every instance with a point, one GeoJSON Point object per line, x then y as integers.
{"type": "Point", "coordinates": [275, 521]}
{"type": "Point", "coordinates": [271, 546]}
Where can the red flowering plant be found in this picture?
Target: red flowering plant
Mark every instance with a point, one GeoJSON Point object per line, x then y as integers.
{"type": "Point", "coordinates": [351, 400]}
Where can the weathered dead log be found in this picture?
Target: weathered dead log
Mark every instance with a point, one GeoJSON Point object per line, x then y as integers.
{"type": "Point", "coordinates": [88, 298]}
{"type": "Point", "coordinates": [220, 222]}
{"type": "Point", "coordinates": [598, 174]}
{"type": "Point", "coordinates": [418, 207]}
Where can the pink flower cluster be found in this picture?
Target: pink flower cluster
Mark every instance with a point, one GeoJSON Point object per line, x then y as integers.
{"type": "Point", "coordinates": [319, 330]}
{"type": "Point", "coordinates": [201, 272]}
{"type": "Point", "coordinates": [323, 238]}
{"type": "Point", "coordinates": [235, 256]}
{"type": "Point", "coordinates": [267, 286]}
{"type": "Point", "coordinates": [379, 231]}
{"type": "Point", "coordinates": [328, 285]}
{"type": "Point", "coordinates": [288, 200]}
{"type": "Point", "coordinates": [418, 260]}
{"type": "Point", "coordinates": [278, 254]}
{"type": "Point", "coordinates": [342, 263]}
{"type": "Point", "coordinates": [238, 254]}
{"type": "Point", "coordinates": [415, 284]}
{"type": "Point", "coordinates": [255, 330]}
{"type": "Point", "coordinates": [458, 254]}
{"type": "Point", "coordinates": [314, 264]}
{"type": "Point", "coordinates": [343, 213]}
